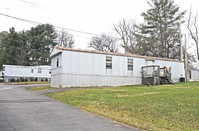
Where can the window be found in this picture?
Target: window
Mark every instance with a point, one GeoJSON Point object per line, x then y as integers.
{"type": "Point", "coordinates": [57, 62]}
{"type": "Point", "coordinates": [3, 68]}
{"type": "Point", "coordinates": [130, 64]}
{"type": "Point", "coordinates": [190, 74]}
{"type": "Point", "coordinates": [32, 70]}
{"type": "Point", "coordinates": [39, 70]}
{"type": "Point", "coordinates": [49, 72]}
{"type": "Point", "coordinates": [108, 62]}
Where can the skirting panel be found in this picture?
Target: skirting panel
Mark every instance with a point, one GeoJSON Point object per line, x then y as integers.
{"type": "Point", "coordinates": [69, 80]}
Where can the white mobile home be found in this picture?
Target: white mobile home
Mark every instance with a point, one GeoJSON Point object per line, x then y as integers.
{"type": "Point", "coordinates": [15, 71]}
{"type": "Point", "coordinates": [73, 67]}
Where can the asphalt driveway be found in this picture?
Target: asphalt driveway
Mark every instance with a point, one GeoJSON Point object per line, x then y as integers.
{"type": "Point", "coordinates": [23, 110]}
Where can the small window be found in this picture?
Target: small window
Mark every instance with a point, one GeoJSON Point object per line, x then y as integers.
{"type": "Point", "coordinates": [32, 70]}
{"type": "Point", "coordinates": [130, 64]}
{"type": "Point", "coordinates": [108, 62]}
{"type": "Point", "coordinates": [57, 62]}
{"type": "Point", "coordinates": [39, 70]}
{"type": "Point", "coordinates": [3, 68]}
{"type": "Point", "coordinates": [49, 72]}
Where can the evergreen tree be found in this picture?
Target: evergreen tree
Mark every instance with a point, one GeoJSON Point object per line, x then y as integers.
{"type": "Point", "coordinates": [10, 42]}
{"type": "Point", "coordinates": [22, 56]}
{"type": "Point", "coordinates": [160, 31]}
{"type": "Point", "coordinates": [2, 36]}
{"type": "Point", "coordinates": [41, 39]}
{"type": "Point", "coordinates": [13, 50]}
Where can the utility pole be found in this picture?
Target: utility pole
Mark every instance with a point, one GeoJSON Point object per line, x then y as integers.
{"type": "Point", "coordinates": [180, 40]}
{"type": "Point", "coordinates": [185, 59]}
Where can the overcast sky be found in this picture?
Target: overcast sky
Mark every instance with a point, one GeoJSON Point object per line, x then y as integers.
{"type": "Point", "coordinates": [91, 16]}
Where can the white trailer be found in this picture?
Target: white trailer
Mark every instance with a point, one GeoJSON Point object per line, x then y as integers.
{"type": "Point", "coordinates": [74, 67]}
{"type": "Point", "coordinates": [15, 71]}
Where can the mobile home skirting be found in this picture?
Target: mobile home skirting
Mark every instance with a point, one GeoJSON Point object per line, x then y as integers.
{"type": "Point", "coordinates": [80, 80]}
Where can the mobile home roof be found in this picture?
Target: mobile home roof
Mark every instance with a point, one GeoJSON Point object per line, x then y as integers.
{"type": "Point", "coordinates": [118, 54]}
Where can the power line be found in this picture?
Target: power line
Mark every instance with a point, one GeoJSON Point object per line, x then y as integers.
{"type": "Point", "coordinates": [31, 4]}
{"type": "Point", "coordinates": [74, 35]}
{"type": "Point", "coordinates": [41, 7]}
{"type": "Point", "coordinates": [34, 22]}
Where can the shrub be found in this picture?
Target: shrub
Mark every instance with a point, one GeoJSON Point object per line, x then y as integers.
{"type": "Point", "coordinates": [18, 80]}
{"type": "Point", "coordinates": [12, 80]}
{"type": "Point", "coordinates": [46, 79]}
{"type": "Point", "coordinates": [21, 79]}
{"type": "Point", "coordinates": [25, 79]}
{"type": "Point", "coordinates": [31, 79]}
{"type": "Point", "coordinates": [35, 79]}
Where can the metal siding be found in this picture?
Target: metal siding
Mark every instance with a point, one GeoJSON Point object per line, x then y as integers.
{"type": "Point", "coordinates": [25, 71]}
{"type": "Point", "coordinates": [83, 63]}
{"type": "Point", "coordinates": [177, 68]}
{"type": "Point", "coordinates": [137, 64]}
{"type": "Point", "coordinates": [194, 75]}
{"type": "Point", "coordinates": [89, 69]}
{"type": "Point", "coordinates": [56, 72]}
{"type": "Point", "coordinates": [95, 64]}
{"type": "Point", "coordinates": [74, 80]}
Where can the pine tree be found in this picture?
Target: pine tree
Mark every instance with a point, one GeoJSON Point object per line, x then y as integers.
{"type": "Point", "coordinates": [41, 39]}
{"type": "Point", "coordinates": [160, 31]}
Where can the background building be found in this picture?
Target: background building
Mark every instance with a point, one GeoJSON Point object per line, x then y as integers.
{"type": "Point", "coordinates": [30, 72]}
{"type": "Point", "coordinates": [193, 74]}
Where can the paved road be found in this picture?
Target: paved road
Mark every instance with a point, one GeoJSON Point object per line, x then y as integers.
{"type": "Point", "coordinates": [23, 110]}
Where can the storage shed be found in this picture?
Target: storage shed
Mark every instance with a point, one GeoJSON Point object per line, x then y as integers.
{"type": "Point", "coordinates": [74, 67]}
{"type": "Point", "coordinates": [193, 74]}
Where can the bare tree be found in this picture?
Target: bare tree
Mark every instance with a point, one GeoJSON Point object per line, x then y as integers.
{"type": "Point", "coordinates": [65, 39]}
{"type": "Point", "coordinates": [192, 26]}
{"type": "Point", "coordinates": [126, 30]}
{"type": "Point", "coordinates": [105, 43]}
{"type": "Point", "coordinates": [131, 39]}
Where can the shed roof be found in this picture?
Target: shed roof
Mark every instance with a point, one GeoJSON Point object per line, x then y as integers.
{"type": "Point", "coordinates": [118, 54]}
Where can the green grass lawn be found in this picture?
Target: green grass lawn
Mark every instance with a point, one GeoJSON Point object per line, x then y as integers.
{"type": "Point", "coordinates": [39, 88]}
{"type": "Point", "coordinates": [162, 107]}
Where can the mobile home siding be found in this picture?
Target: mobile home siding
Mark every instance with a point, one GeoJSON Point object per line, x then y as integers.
{"type": "Point", "coordinates": [89, 69]}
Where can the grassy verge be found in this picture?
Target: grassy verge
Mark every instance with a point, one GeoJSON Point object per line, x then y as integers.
{"type": "Point", "coordinates": [39, 88]}
{"type": "Point", "coordinates": [163, 107]}
{"type": "Point", "coordinates": [29, 82]}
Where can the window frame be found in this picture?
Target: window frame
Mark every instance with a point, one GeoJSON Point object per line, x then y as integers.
{"type": "Point", "coordinates": [3, 69]}
{"type": "Point", "coordinates": [57, 62]}
{"type": "Point", "coordinates": [32, 70]}
{"type": "Point", "coordinates": [109, 63]}
{"type": "Point", "coordinates": [130, 64]}
{"type": "Point", "coordinates": [39, 70]}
